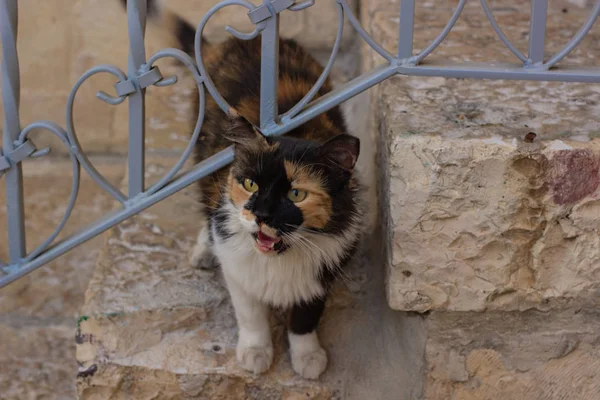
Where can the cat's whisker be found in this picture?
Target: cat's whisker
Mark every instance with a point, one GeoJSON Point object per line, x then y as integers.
{"type": "Point", "coordinates": [313, 246]}
{"type": "Point", "coordinates": [340, 272]}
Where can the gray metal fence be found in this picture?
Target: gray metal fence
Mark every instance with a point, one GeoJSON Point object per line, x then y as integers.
{"type": "Point", "coordinates": [17, 147]}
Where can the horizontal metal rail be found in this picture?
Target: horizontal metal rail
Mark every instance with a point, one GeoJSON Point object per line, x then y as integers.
{"type": "Point", "coordinates": [17, 147]}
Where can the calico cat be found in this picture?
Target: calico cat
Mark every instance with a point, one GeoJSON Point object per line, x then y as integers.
{"type": "Point", "coordinates": [284, 219]}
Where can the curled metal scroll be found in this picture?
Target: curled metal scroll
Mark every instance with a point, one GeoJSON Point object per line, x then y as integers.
{"type": "Point", "coordinates": [72, 135]}
{"type": "Point", "coordinates": [317, 86]}
{"type": "Point", "coordinates": [362, 33]}
{"type": "Point", "coordinates": [445, 31]}
{"type": "Point", "coordinates": [210, 86]}
{"type": "Point", "coordinates": [189, 64]}
{"type": "Point", "coordinates": [573, 43]}
{"type": "Point", "coordinates": [60, 133]}
{"type": "Point", "coordinates": [501, 34]}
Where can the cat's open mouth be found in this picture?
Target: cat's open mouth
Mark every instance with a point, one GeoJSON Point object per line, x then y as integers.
{"type": "Point", "coordinates": [266, 243]}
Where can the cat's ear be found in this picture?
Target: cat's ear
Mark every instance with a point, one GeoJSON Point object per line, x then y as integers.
{"type": "Point", "coordinates": [342, 151]}
{"type": "Point", "coordinates": [240, 131]}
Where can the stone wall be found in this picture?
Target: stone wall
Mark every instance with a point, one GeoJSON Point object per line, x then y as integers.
{"type": "Point", "coordinates": [490, 200]}
{"type": "Point", "coordinates": [494, 185]}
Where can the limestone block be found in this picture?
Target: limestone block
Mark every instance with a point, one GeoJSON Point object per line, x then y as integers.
{"type": "Point", "coordinates": [489, 188]}
{"type": "Point", "coordinates": [528, 355]}
{"type": "Point", "coordinates": [481, 224]}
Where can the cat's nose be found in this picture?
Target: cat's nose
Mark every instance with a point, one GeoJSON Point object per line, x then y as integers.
{"type": "Point", "coordinates": [262, 216]}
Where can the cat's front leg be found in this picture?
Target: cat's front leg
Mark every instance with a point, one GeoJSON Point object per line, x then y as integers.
{"type": "Point", "coordinates": [309, 359]}
{"type": "Point", "coordinates": [254, 348]}
{"type": "Point", "coordinates": [201, 256]}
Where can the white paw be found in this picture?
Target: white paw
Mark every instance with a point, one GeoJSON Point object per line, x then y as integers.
{"type": "Point", "coordinates": [310, 365]}
{"type": "Point", "coordinates": [256, 359]}
{"type": "Point", "coordinates": [309, 359]}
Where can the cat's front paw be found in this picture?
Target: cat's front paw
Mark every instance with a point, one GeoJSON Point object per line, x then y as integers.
{"type": "Point", "coordinates": [310, 365]}
{"type": "Point", "coordinates": [255, 359]}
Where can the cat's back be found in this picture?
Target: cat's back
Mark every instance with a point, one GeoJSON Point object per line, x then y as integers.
{"type": "Point", "coordinates": [235, 66]}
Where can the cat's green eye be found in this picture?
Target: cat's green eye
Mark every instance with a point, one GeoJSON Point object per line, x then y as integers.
{"type": "Point", "coordinates": [250, 185]}
{"type": "Point", "coordinates": [297, 195]}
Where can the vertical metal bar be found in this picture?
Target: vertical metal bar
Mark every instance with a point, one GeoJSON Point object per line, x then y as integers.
{"type": "Point", "coordinates": [136, 22]}
{"type": "Point", "coordinates": [12, 128]}
{"type": "Point", "coordinates": [537, 30]}
{"type": "Point", "coordinates": [407, 21]}
{"type": "Point", "coordinates": [269, 69]}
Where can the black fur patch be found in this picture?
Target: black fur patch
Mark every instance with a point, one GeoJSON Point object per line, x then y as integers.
{"type": "Point", "coordinates": [304, 318]}
{"type": "Point", "coordinates": [219, 220]}
{"type": "Point", "coordinates": [186, 35]}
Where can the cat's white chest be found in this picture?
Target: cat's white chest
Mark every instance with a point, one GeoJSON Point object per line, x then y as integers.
{"type": "Point", "coordinates": [280, 280]}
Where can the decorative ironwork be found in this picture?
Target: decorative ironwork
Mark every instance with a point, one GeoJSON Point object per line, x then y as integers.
{"type": "Point", "coordinates": [17, 147]}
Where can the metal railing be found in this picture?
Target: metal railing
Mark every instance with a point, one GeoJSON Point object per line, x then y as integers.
{"type": "Point", "coordinates": [17, 147]}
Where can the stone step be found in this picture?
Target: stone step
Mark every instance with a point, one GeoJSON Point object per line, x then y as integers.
{"type": "Point", "coordinates": [154, 327]}
{"type": "Point", "coordinates": [490, 208]}
{"type": "Point", "coordinates": [38, 313]}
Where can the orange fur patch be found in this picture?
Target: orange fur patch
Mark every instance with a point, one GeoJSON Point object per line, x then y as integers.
{"type": "Point", "coordinates": [248, 215]}
{"type": "Point", "coordinates": [316, 208]}
{"type": "Point", "coordinates": [237, 193]}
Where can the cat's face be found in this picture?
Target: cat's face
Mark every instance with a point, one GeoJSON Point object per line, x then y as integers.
{"type": "Point", "coordinates": [280, 188]}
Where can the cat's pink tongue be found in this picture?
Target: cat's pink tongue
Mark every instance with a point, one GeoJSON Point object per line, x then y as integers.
{"type": "Point", "coordinates": [266, 243]}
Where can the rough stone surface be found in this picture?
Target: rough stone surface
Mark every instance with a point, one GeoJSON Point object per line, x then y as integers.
{"type": "Point", "coordinates": [481, 213]}
{"type": "Point", "coordinates": [79, 35]}
{"type": "Point", "coordinates": [38, 313]}
{"type": "Point", "coordinates": [518, 355]}
{"type": "Point", "coordinates": [36, 359]}
{"type": "Point", "coordinates": [483, 225]}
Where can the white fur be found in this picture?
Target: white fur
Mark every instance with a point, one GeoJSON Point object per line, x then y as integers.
{"type": "Point", "coordinates": [201, 249]}
{"type": "Point", "coordinates": [254, 349]}
{"type": "Point", "coordinates": [309, 359]}
{"type": "Point", "coordinates": [279, 279]}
